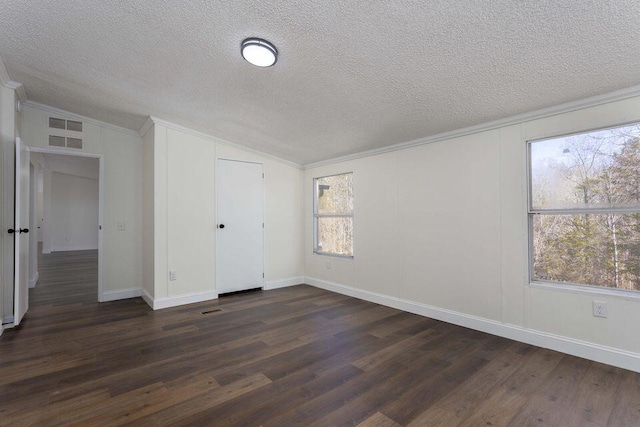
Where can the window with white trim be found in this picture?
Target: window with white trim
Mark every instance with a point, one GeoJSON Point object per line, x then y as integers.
{"type": "Point", "coordinates": [333, 215]}
{"type": "Point", "coordinates": [584, 208]}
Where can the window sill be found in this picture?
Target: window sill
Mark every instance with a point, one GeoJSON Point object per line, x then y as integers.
{"type": "Point", "coordinates": [333, 255]}
{"type": "Point", "coordinates": [588, 290]}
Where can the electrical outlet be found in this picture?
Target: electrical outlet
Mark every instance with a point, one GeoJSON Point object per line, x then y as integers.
{"type": "Point", "coordinates": [600, 309]}
{"type": "Point", "coordinates": [122, 226]}
{"type": "Point", "coordinates": [173, 275]}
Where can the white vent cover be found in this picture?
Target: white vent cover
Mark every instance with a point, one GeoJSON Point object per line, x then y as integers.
{"type": "Point", "coordinates": [61, 141]}
{"type": "Point", "coordinates": [56, 141]}
{"type": "Point", "coordinates": [74, 143]}
{"type": "Point", "coordinates": [62, 124]}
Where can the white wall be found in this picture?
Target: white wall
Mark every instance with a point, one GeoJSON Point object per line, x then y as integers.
{"type": "Point", "coordinates": [184, 215]}
{"type": "Point", "coordinates": [442, 229]}
{"type": "Point", "coordinates": [122, 157]}
{"type": "Point", "coordinates": [74, 212]}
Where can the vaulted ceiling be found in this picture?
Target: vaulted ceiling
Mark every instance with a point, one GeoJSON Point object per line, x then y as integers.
{"type": "Point", "coordinates": [351, 75]}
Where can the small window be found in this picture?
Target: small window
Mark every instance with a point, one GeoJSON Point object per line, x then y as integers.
{"type": "Point", "coordinates": [584, 209]}
{"type": "Point", "coordinates": [333, 215]}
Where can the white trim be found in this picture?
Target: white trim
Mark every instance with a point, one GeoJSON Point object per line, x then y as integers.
{"type": "Point", "coordinates": [19, 89]}
{"type": "Point", "coordinates": [7, 321]}
{"type": "Point", "coordinates": [169, 125]}
{"type": "Point", "coordinates": [148, 124]}
{"type": "Point", "coordinates": [4, 75]}
{"type": "Point", "coordinates": [121, 294]}
{"type": "Point", "coordinates": [33, 281]}
{"type": "Point", "coordinates": [599, 353]}
{"type": "Point", "coordinates": [74, 248]}
{"type": "Point", "coordinates": [507, 121]}
{"type": "Point", "coordinates": [58, 111]}
{"type": "Point", "coordinates": [174, 301]}
{"type": "Point", "coordinates": [283, 283]}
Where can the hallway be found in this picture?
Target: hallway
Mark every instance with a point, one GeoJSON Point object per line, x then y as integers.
{"type": "Point", "coordinates": [69, 277]}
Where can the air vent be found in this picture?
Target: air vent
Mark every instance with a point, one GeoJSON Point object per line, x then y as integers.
{"type": "Point", "coordinates": [57, 123]}
{"type": "Point", "coordinates": [57, 141]}
{"type": "Point", "coordinates": [62, 124]}
{"type": "Point", "coordinates": [61, 141]}
{"type": "Point", "coordinates": [74, 126]}
{"type": "Point", "coordinates": [74, 143]}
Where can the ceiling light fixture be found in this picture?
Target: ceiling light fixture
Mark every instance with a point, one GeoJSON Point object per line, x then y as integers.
{"type": "Point", "coordinates": [259, 52]}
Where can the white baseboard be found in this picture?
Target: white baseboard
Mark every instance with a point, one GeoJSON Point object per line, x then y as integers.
{"type": "Point", "coordinates": [73, 248]}
{"type": "Point", "coordinates": [121, 294]}
{"type": "Point", "coordinates": [166, 302]}
{"type": "Point", "coordinates": [599, 353]}
{"type": "Point", "coordinates": [34, 280]}
{"type": "Point", "coordinates": [283, 283]}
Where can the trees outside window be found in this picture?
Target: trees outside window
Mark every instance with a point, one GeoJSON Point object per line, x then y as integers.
{"type": "Point", "coordinates": [333, 215]}
{"type": "Point", "coordinates": [584, 208]}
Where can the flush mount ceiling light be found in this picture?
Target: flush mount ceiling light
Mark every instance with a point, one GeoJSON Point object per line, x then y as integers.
{"type": "Point", "coordinates": [259, 52]}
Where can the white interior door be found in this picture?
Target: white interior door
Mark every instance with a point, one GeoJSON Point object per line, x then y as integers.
{"type": "Point", "coordinates": [240, 232]}
{"type": "Point", "coordinates": [21, 236]}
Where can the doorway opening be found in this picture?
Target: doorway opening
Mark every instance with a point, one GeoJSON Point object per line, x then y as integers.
{"type": "Point", "coordinates": [65, 248]}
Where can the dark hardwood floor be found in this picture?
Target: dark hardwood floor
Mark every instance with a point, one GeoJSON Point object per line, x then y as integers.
{"type": "Point", "coordinates": [297, 356]}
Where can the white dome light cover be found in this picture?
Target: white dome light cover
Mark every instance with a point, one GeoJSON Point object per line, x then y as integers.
{"type": "Point", "coordinates": [259, 52]}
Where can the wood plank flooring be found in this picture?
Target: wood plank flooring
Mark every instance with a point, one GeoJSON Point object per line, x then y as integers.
{"type": "Point", "coordinates": [297, 356]}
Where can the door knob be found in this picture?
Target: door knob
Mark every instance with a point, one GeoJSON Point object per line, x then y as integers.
{"type": "Point", "coordinates": [221, 226]}
{"type": "Point", "coordinates": [11, 231]}
{"type": "Point", "coordinates": [24, 230]}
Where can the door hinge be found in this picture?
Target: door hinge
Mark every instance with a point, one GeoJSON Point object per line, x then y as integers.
{"type": "Point", "coordinates": [263, 275]}
{"type": "Point", "coordinates": [263, 175]}
{"type": "Point", "coordinates": [263, 225]}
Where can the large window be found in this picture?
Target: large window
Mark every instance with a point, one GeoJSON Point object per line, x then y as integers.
{"type": "Point", "coordinates": [584, 208]}
{"type": "Point", "coordinates": [333, 215]}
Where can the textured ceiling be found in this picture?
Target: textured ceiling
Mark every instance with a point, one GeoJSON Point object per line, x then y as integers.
{"type": "Point", "coordinates": [351, 75]}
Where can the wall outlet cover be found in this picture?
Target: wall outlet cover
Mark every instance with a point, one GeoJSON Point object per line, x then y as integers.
{"type": "Point", "coordinates": [600, 309]}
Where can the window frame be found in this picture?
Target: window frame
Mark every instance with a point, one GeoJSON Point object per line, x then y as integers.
{"type": "Point", "coordinates": [317, 215]}
{"type": "Point", "coordinates": [531, 213]}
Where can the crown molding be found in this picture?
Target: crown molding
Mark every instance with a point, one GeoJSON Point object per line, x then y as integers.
{"type": "Point", "coordinates": [148, 124]}
{"type": "Point", "coordinates": [508, 121]}
{"type": "Point", "coordinates": [19, 89]}
{"type": "Point", "coordinates": [58, 111]}
{"type": "Point", "coordinates": [160, 122]}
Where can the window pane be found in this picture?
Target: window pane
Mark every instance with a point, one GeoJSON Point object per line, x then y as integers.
{"type": "Point", "coordinates": [335, 193]}
{"type": "Point", "coordinates": [335, 235]}
{"type": "Point", "coordinates": [594, 169]}
{"type": "Point", "coordinates": [590, 249]}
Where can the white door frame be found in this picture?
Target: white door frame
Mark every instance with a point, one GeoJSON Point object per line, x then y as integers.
{"type": "Point", "coordinates": [264, 212]}
{"type": "Point", "coordinates": [100, 158]}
